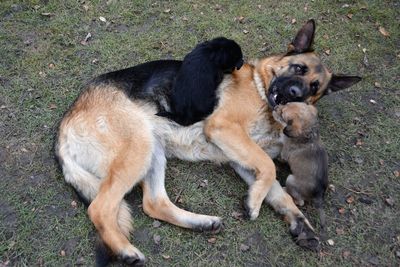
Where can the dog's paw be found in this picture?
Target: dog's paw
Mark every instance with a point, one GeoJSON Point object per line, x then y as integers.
{"type": "Point", "coordinates": [250, 212]}
{"type": "Point", "coordinates": [132, 257]}
{"type": "Point", "coordinates": [213, 225]}
{"type": "Point", "coordinates": [304, 236]}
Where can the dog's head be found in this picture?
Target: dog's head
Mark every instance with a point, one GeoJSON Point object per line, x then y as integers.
{"type": "Point", "coordinates": [226, 54]}
{"type": "Point", "coordinates": [300, 119]}
{"type": "Point", "coordinates": [299, 75]}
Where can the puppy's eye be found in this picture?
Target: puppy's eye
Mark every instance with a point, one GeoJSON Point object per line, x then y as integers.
{"type": "Point", "coordinates": [299, 69]}
{"type": "Point", "coordinates": [314, 86]}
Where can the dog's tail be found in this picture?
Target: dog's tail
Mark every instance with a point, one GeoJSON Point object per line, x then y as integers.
{"type": "Point", "coordinates": [319, 205]}
{"type": "Point", "coordinates": [87, 185]}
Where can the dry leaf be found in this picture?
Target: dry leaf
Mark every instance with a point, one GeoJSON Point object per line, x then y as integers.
{"type": "Point", "coordinates": [102, 19]}
{"type": "Point", "coordinates": [85, 41]}
{"type": "Point", "coordinates": [350, 200]}
{"type": "Point", "coordinates": [389, 201]}
{"type": "Point", "coordinates": [326, 37]}
{"type": "Point", "coordinates": [62, 253]}
{"type": "Point", "coordinates": [341, 210]}
{"type": "Point", "coordinates": [293, 21]}
{"type": "Point", "coordinates": [345, 5]}
{"type": "Point", "coordinates": [212, 240]}
{"type": "Point", "coordinates": [372, 101]}
{"type": "Point", "coordinates": [185, 19]}
{"type": "Point", "coordinates": [237, 215]}
{"type": "Point", "coordinates": [241, 19]}
{"type": "Point", "coordinates": [327, 52]}
{"type": "Point", "coordinates": [51, 66]}
{"type": "Point", "coordinates": [24, 150]}
{"type": "Point", "coordinates": [74, 204]}
{"type": "Point", "coordinates": [47, 14]}
{"type": "Point", "coordinates": [244, 247]}
{"type": "Point", "coordinates": [339, 231]}
{"type": "Point", "coordinates": [383, 31]}
{"type": "Point", "coordinates": [330, 242]}
{"type": "Point", "coordinates": [85, 7]}
{"type": "Point", "coordinates": [168, 10]}
{"type": "Point", "coordinates": [396, 173]}
{"type": "Point", "coordinates": [245, 31]}
{"type": "Point", "coordinates": [204, 183]}
{"type": "Point", "coordinates": [359, 142]}
{"type": "Point", "coordinates": [157, 239]}
{"type": "Point", "coordinates": [349, 16]}
{"type": "Point", "coordinates": [156, 224]}
{"type": "Point", "coordinates": [346, 254]}
{"type": "Point", "coordinates": [377, 85]}
{"type": "Point", "coordinates": [167, 257]}
{"type": "Point", "coordinates": [381, 162]}
{"type": "Point", "coordinates": [52, 106]}
{"type": "Point", "coordinates": [332, 187]}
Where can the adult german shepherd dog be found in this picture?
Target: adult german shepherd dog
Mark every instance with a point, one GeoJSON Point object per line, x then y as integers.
{"type": "Point", "coordinates": [111, 139]}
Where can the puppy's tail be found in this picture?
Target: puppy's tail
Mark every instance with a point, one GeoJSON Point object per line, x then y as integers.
{"type": "Point", "coordinates": [319, 205]}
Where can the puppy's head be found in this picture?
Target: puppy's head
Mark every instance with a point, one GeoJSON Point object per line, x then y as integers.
{"type": "Point", "coordinates": [299, 75]}
{"type": "Point", "coordinates": [300, 119]}
{"type": "Point", "coordinates": [226, 54]}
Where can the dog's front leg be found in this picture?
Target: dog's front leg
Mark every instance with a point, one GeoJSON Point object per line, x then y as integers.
{"type": "Point", "coordinates": [233, 140]}
{"type": "Point", "coordinates": [282, 202]}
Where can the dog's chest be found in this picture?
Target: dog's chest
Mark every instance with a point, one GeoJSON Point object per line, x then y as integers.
{"type": "Point", "coordinates": [268, 137]}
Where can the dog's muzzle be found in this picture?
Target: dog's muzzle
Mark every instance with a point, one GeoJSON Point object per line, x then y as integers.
{"type": "Point", "coordinates": [285, 89]}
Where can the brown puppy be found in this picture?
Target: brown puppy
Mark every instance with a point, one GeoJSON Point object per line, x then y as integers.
{"type": "Point", "coordinates": [307, 157]}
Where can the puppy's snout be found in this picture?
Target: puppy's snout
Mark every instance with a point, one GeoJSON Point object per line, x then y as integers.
{"type": "Point", "coordinates": [295, 91]}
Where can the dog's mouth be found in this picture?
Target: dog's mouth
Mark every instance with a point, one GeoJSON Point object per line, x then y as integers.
{"type": "Point", "coordinates": [283, 90]}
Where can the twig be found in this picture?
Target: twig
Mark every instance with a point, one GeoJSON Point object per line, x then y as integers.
{"type": "Point", "coordinates": [357, 192]}
{"type": "Point", "coordinates": [178, 196]}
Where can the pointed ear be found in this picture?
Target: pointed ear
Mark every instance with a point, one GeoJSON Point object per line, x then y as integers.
{"type": "Point", "coordinates": [339, 82]}
{"type": "Point", "coordinates": [304, 39]}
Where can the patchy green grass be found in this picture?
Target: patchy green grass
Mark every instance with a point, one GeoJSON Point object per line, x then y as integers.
{"type": "Point", "coordinates": [43, 66]}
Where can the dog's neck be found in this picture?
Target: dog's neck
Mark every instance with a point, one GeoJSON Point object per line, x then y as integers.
{"type": "Point", "coordinates": [260, 85]}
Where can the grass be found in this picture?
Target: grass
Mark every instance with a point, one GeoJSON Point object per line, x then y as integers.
{"type": "Point", "coordinates": [43, 67]}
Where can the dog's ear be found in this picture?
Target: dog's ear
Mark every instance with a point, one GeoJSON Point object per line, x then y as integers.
{"type": "Point", "coordinates": [304, 39]}
{"type": "Point", "coordinates": [339, 82]}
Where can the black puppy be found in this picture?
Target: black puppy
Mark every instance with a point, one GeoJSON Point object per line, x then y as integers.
{"type": "Point", "coordinates": [193, 96]}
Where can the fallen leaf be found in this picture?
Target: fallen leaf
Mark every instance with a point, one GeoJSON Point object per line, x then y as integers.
{"type": "Point", "coordinates": [345, 5]}
{"type": "Point", "coordinates": [293, 21]}
{"type": "Point", "coordinates": [52, 106]}
{"type": "Point", "coordinates": [42, 74]}
{"type": "Point", "coordinates": [185, 19]}
{"type": "Point", "coordinates": [330, 242]}
{"type": "Point", "coordinates": [359, 142]}
{"type": "Point", "coordinates": [237, 215]}
{"type": "Point", "coordinates": [339, 231]}
{"type": "Point", "coordinates": [212, 240]}
{"type": "Point", "coordinates": [85, 7]}
{"type": "Point", "coordinates": [74, 204]}
{"type": "Point", "coordinates": [167, 257]}
{"type": "Point", "coordinates": [383, 31]}
{"type": "Point", "coordinates": [244, 247]}
{"type": "Point", "coordinates": [389, 201]}
{"type": "Point", "coordinates": [204, 183]}
{"type": "Point", "coordinates": [382, 162]}
{"type": "Point", "coordinates": [377, 85]}
{"type": "Point", "coordinates": [350, 199]}
{"type": "Point", "coordinates": [85, 41]}
{"type": "Point", "coordinates": [51, 66]}
{"type": "Point", "coordinates": [245, 31]}
{"type": "Point", "coordinates": [3, 107]}
{"type": "Point", "coordinates": [345, 254]}
{"type": "Point", "coordinates": [156, 224]}
{"type": "Point", "coordinates": [364, 50]}
{"type": "Point", "coordinates": [102, 19]}
{"type": "Point", "coordinates": [341, 210]}
{"type": "Point", "coordinates": [327, 52]}
{"type": "Point", "coordinates": [396, 173]}
{"type": "Point", "coordinates": [62, 253]}
{"type": "Point", "coordinates": [372, 101]}
{"type": "Point", "coordinates": [157, 239]}
{"type": "Point", "coordinates": [350, 16]}
{"type": "Point", "coordinates": [47, 14]}
{"type": "Point", "coordinates": [95, 61]}
{"type": "Point", "coordinates": [240, 19]}
{"type": "Point", "coordinates": [168, 10]}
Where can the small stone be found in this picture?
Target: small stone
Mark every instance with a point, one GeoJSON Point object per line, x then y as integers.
{"type": "Point", "coordinates": [330, 242]}
{"type": "Point", "coordinates": [244, 247]}
{"type": "Point", "coordinates": [102, 19]}
{"type": "Point", "coordinates": [156, 224]}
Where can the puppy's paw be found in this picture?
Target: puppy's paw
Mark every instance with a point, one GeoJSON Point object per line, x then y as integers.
{"type": "Point", "coordinates": [250, 212]}
{"type": "Point", "coordinates": [132, 257]}
{"type": "Point", "coordinates": [304, 235]}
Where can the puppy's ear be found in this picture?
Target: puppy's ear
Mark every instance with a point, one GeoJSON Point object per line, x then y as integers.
{"type": "Point", "coordinates": [303, 40]}
{"type": "Point", "coordinates": [340, 82]}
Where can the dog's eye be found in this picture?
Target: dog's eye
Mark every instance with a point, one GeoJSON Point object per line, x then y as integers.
{"type": "Point", "coordinates": [299, 69]}
{"type": "Point", "coordinates": [314, 86]}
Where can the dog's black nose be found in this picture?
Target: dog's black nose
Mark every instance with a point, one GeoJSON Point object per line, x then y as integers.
{"type": "Point", "coordinates": [295, 91]}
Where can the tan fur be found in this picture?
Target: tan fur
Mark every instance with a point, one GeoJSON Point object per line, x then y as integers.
{"type": "Point", "coordinates": [108, 143]}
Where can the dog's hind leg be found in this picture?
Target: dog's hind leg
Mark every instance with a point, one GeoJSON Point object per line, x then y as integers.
{"type": "Point", "coordinates": [126, 170]}
{"type": "Point", "coordinates": [157, 205]}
